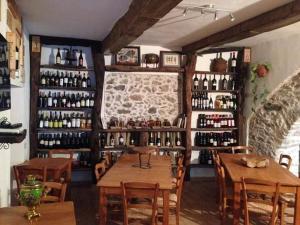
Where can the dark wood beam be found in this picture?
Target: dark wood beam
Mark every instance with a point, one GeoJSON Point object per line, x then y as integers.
{"type": "Point", "coordinates": [141, 15]}
{"type": "Point", "coordinates": [276, 18]}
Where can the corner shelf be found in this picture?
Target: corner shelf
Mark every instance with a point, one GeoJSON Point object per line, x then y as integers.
{"type": "Point", "coordinates": [12, 137]}
{"type": "Point", "coordinates": [122, 68]}
{"type": "Point", "coordinates": [214, 129]}
{"type": "Point", "coordinates": [216, 73]}
{"type": "Point", "coordinates": [65, 67]}
{"type": "Point", "coordinates": [67, 88]}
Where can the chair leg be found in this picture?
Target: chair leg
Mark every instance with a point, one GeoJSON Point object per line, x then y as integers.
{"type": "Point", "coordinates": [282, 207]}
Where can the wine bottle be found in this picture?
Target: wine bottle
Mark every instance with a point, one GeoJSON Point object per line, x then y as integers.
{"type": "Point", "coordinates": [158, 140]}
{"type": "Point", "coordinates": [83, 82]}
{"type": "Point", "coordinates": [178, 140]}
{"type": "Point", "coordinates": [66, 79]}
{"type": "Point", "coordinates": [224, 83]}
{"type": "Point", "coordinates": [121, 139]}
{"type": "Point", "coordinates": [58, 57]}
{"type": "Point", "coordinates": [233, 63]}
{"type": "Point", "coordinates": [214, 83]}
{"type": "Point", "coordinates": [168, 142]}
{"type": "Point", "coordinates": [92, 101]}
{"type": "Point", "coordinates": [49, 100]}
{"type": "Point", "coordinates": [112, 140]}
{"type": "Point", "coordinates": [205, 83]}
{"type": "Point", "coordinates": [151, 141]}
{"type": "Point", "coordinates": [80, 59]}
{"type": "Point", "coordinates": [61, 79]}
{"type": "Point", "coordinates": [43, 79]}
{"type": "Point", "coordinates": [88, 81]}
{"type": "Point", "coordinates": [196, 82]}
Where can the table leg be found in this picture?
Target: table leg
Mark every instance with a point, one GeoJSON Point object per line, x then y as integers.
{"type": "Point", "coordinates": [236, 203]}
{"type": "Point", "coordinates": [102, 206]}
{"type": "Point", "coordinates": [166, 200]}
{"type": "Point", "coordinates": [69, 172]}
{"type": "Point", "coordinates": [297, 208]}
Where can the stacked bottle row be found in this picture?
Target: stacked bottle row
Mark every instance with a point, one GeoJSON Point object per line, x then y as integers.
{"type": "Point", "coordinates": [63, 140]}
{"type": "Point", "coordinates": [66, 100]}
{"type": "Point", "coordinates": [204, 139]}
{"type": "Point", "coordinates": [215, 121]}
{"type": "Point", "coordinates": [214, 82]}
{"type": "Point", "coordinates": [4, 77]}
{"type": "Point", "coordinates": [201, 100]}
{"type": "Point", "coordinates": [5, 101]}
{"type": "Point", "coordinates": [70, 55]}
{"type": "Point", "coordinates": [159, 139]}
{"type": "Point", "coordinates": [206, 157]}
{"type": "Point", "coordinates": [64, 79]}
{"type": "Point", "coordinates": [64, 120]}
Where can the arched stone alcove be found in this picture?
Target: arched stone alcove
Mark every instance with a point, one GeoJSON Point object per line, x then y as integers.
{"type": "Point", "coordinates": [272, 122]}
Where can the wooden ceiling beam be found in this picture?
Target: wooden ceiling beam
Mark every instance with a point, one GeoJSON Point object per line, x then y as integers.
{"type": "Point", "coordinates": [276, 18]}
{"type": "Point", "coordinates": [141, 15]}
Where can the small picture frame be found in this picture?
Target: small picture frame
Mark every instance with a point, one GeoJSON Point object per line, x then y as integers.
{"type": "Point", "coordinates": [170, 59]}
{"type": "Point", "coordinates": [128, 56]}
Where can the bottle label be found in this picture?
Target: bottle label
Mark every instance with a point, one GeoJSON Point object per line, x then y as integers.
{"type": "Point", "coordinates": [233, 63]}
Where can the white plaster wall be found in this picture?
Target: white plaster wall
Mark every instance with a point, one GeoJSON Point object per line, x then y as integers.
{"type": "Point", "coordinates": [283, 54]}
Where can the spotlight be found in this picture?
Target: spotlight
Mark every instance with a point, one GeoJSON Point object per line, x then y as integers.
{"type": "Point", "coordinates": [185, 12]}
{"type": "Point", "coordinates": [216, 15]}
{"type": "Point", "coordinates": [232, 18]}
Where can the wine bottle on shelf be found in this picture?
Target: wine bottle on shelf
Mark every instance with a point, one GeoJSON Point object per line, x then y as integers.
{"type": "Point", "coordinates": [214, 83]}
{"type": "Point", "coordinates": [58, 57]}
{"type": "Point", "coordinates": [121, 140]}
{"type": "Point", "coordinates": [112, 140]}
{"type": "Point", "coordinates": [158, 140]}
{"type": "Point", "coordinates": [211, 104]}
{"type": "Point", "coordinates": [196, 82]}
{"type": "Point", "coordinates": [56, 82]}
{"type": "Point", "coordinates": [178, 139]}
{"type": "Point", "coordinates": [168, 141]}
{"type": "Point", "coordinates": [88, 81]}
{"type": "Point", "coordinates": [233, 63]}
{"type": "Point", "coordinates": [224, 83]}
{"type": "Point", "coordinates": [61, 79]}
{"type": "Point", "coordinates": [43, 78]}
{"type": "Point", "coordinates": [70, 80]}
{"type": "Point", "coordinates": [151, 139]}
{"type": "Point", "coordinates": [89, 121]}
{"type": "Point", "coordinates": [80, 59]}
{"type": "Point", "coordinates": [66, 79]}
{"type": "Point", "coordinates": [41, 120]}
{"type": "Point", "coordinates": [92, 100]}
{"type": "Point", "coordinates": [205, 83]}
{"type": "Point", "coordinates": [84, 81]}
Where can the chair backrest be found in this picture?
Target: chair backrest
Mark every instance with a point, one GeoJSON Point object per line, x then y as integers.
{"type": "Point", "coordinates": [108, 159]}
{"type": "Point", "coordinates": [22, 171]}
{"type": "Point", "coordinates": [221, 184]}
{"type": "Point", "coordinates": [139, 191]}
{"type": "Point", "coordinates": [100, 169]}
{"type": "Point", "coordinates": [257, 187]}
{"type": "Point", "coordinates": [61, 153]}
{"type": "Point", "coordinates": [54, 192]}
{"type": "Point", "coordinates": [243, 149]}
{"type": "Point", "coordinates": [285, 161]}
{"type": "Point", "coordinates": [180, 161]}
{"type": "Point", "coordinates": [179, 187]}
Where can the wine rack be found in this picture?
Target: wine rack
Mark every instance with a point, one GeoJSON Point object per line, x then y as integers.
{"type": "Point", "coordinates": [216, 102]}
{"type": "Point", "coordinates": [64, 95]}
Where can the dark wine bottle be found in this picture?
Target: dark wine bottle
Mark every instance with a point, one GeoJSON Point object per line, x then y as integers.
{"type": "Point", "coordinates": [58, 57]}
{"type": "Point", "coordinates": [80, 59]}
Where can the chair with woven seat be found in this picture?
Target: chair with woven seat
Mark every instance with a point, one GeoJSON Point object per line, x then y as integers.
{"type": "Point", "coordinates": [22, 171]}
{"type": "Point", "coordinates": [243, 149]}
{"type": "Point", "coordinates": [54, 192]}
{"type": "Point", "coordinates": [63, 153]}
{"type": "Point", "coordinates": [285, 161]}
{"type": "Point", "coordinates": [140, 202]}
{"type": "Point", "coordinates": [264, 209]}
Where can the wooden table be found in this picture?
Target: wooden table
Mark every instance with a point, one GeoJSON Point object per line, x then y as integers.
{"type": "Point", "coordinates": [54, 213]}
{"type": "Point", "coordinates": [55, 166]}
{"type": "Point", "coordinates": [123, 170]}
{"type": "Point", "coordinates": [274, 172]}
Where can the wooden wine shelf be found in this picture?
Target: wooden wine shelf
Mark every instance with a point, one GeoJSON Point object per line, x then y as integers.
{"type": "Point", "coordinates": [12, 137]}
{"type": "Point", "coordinates": [215, 91]}
{"type": "Point", "coordinates": [199, 148]}
{"type": "Point", "coordinates": [49, 130]}
{"type": "Point", "coordinates": [65, 67]}
{"type": "Point", "coordinates": [67, 88]}
{"type": "Point", "coordinates": [214, 110]}
{"type": "Point", "coordinates": [121, 68]}
{"type": "Point", "coordinates": [71, 149]}
{"type": "Point", "coordinates": [64, 109]}
{"type": "Point", "coordinates": [215, 129]}
{"type": "Point", "coordinates": [216, 73]}
{"type": "Point", "coordinates": [161, 129]}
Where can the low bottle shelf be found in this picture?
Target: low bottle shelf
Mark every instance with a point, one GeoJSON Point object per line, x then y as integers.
{"type": "Point", "coordinates": [125, 148]}
{"type": "Point", "coordinates": [215, 91]}
{"type": "Point", "coordinates": [216, 73]}
{"type": "Point", "coordinates": [64, 130]}
{"type": "Point", "coordinates": [214, 110]}
{"type": "Point", "coordinates": [200, 148]}
{"type": "Point", "coordinates": [64, 109]}
{"type": "Point", "coordinates": [160, 129]}
{"type": "Point", "coordinates": [91, 89]}
{"type": "Point", "coordinates": [65, 67]}
{"type": "Point", "coordinates": [214, 129]}
{"type": "Point", "coordinates": [121, 68]}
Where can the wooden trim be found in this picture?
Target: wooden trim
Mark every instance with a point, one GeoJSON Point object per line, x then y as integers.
{"type": "Point", "coordinates": [187, 96]}
{"type": "Point", "coordinates": [276, 18]}
{"type": "Point", "coordinates": [119, 68]}
{"type": "Point", "coordinates": [141, 15]}
{"type": "Point", "coordinates": [48, 40]}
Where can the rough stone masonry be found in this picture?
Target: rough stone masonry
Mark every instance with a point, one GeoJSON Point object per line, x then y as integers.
{"type": "Point", "coordinates": [273, 120]}
{"type": "Point", "coordinates": [141, 95]}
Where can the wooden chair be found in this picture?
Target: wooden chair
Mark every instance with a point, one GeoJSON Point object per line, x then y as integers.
{"type": "Point", "coordinates": [137, 196]}
{"type": "Point", "coordinates": [54, 192]}
{"type": "Point", "coordinates": [108, 159]}
{"type": "Point", "coordinates": [100, 169]}
{"type": "Point", "coordinates": [22, 171]}
{"type": "Point", "coordinates": [178, 172]}
{"type": "Point", "coordinates": [285, 161]}
{"type": "Point", "coordinates": [261, 206]}
{"type": "Point", "coordinates": [243, 149]}
{"type": "Point", "coordinates": [175, 198]}
{"type": "Point", "coordinates": [63, 153]}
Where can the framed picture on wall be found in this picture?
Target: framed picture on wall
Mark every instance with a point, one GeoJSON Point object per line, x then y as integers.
{"type": "Point", "coordinates": [129, 56]}
{"type": "Point", "coordinates": [170, 59]}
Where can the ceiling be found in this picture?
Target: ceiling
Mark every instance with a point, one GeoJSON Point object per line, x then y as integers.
{"type": "Point", "coordinates": [94, 19]}
{"type": "Point", "coordinates": [176, 30]}
{"type": "Point", "coordinates": [87, 19]}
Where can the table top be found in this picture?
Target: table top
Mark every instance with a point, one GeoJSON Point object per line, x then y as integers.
{"type": "Point", "coordinates": [274, 172]}
{"type": "Point", "coordinates": [51, 163]}
{"type": "Point", "coordinates": [123, 170]}
{"type": "Point", "coordinates": [53, 213]}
